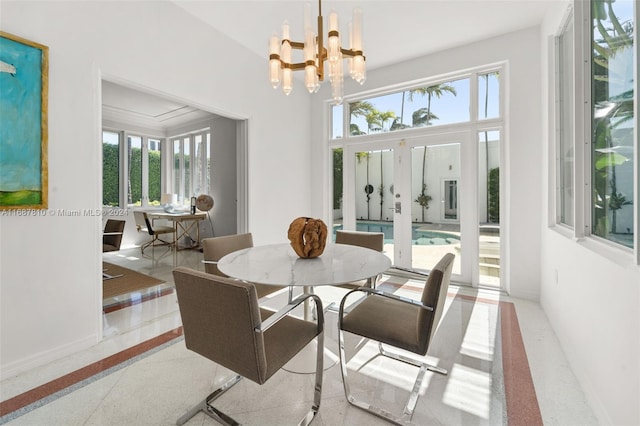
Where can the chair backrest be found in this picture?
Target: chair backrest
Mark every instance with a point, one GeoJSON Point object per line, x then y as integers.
{"type": "Point", "coordinates": [371, 240]}
{"type": "Point", "coordinates": [217, 247]}
{"type": "Point", "coordinates": [434, 295]}
{"type": "Point", "coordinates": [116, 227]}
{"type": "Point", "coordinates": [142, 222]}
{"type": "Point", "coordinates": [219, 317]}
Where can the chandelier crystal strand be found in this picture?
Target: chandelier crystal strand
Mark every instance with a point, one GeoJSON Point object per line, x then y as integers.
{"type": "Point", "coordinates": [334, 38]}
{"type": "Point", "coordinates": [337, 80]}
{"type": "Point", "coordinates": [311, 72]}
{"type": "Point", "coordinates": [274, 61]}
{"type": "Point", "coordinates": [358, 70]}
{"type": "Point", "coordinates": [287, 72]}
{"type": "Point", "coordinates": [316, 52]}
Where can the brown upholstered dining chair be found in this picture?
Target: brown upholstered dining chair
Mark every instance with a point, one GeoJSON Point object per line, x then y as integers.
{"type": "Point", "coordinates": [112, 235]}
{"type": "Point", "coordinates": [223, 322]}
{"type": "Point", "coordinates": [370, 240]}
{"type": "Point", "coordinates": [399, 322]}
{"type": "Point", "coordinates": [215, 248]}
{"type": "Point", "coordinates": [144, 224]}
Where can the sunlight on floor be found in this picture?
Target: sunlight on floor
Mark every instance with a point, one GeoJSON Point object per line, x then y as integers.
{"type": "Point", "coordinates": [469, 389]}
{"type": "Point", "coordinates": [368, 361]}
{"type": "Point", "coordinates": [479, 338]}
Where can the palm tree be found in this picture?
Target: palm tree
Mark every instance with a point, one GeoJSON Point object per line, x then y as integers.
{"type": "Point", "coordinates": [386, 116]}
{"type": "Point", "coordinates": [359, 109]}
{"type": "Point", "coordinates": [374, 121]}
{"type": "Point", "coordinates": [399, 122]}
{"type": "Point", "coordinates": [425, 116]}
{"type": "Point", "coordinates": [422, 117]}
{"type": "Point", "coordinates": [437, 90]}
{"type": "Point", "coordinates": [355, 130]}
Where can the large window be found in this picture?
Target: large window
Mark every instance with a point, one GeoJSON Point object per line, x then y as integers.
{"type": "Point", "coordinates": [405, 164]}
{"type": "Point", "coordinates": [604, 134]}
{"type": "Point", "coordinates": [565, 101]}
{"type": "Point", "coordinates": [436, 104]}
{"type": "Point", "coordinates": [135, 174]}
{"type": "Point", "coordinates": [110, 168]}
{"type": "Point", "coordinates": [191, 165]}
{"type": "Point", "coordinates": [612, 120]}
{"type": "Point", "coordinates": [131, 169]}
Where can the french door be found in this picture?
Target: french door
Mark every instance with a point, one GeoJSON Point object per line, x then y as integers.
{"type": "Point", "coordinates": [423, 193]}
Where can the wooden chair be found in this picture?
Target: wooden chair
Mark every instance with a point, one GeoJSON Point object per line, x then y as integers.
{"type": "Point", "coordinates": [223, 322]}
{"type": "Point", "coordinates": [399, 322]}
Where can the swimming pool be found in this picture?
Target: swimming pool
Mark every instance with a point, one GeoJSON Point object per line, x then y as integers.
{"type": "Point", "coordinates": [419, 237]}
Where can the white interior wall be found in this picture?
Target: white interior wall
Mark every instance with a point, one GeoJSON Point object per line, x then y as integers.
{"type": "Point", "coordinates": [590, 292]}
{"type": "Point", "coordinates": [223, 178]}
{"type": "Point", "coordinates": [54, 309]}
{"type": "Point", "coordinates": [522, 191]}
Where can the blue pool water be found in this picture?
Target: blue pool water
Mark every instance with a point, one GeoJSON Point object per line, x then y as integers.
{"type": "Point", "coordinates": [418, 237]}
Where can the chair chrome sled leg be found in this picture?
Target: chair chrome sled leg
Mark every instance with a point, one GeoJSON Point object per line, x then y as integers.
{"type": "Point", "coordinates": [209, 409]}
{"type": "Point", "coordinates": [403, 323]}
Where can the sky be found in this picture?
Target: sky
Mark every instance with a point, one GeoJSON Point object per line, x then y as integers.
{"type": "Point", "coordinates": [449, 108]}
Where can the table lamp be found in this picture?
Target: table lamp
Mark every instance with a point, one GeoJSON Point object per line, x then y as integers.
{"type": "Point", "coordinates": [168, 202]}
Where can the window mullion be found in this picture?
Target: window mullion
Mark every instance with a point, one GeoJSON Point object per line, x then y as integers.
{"type": "Point", "coordinates": [181, 189]}
{"type": "Point", "coordinates": [193, 165]}
{"type": "Point", "coordinates": [636, 133]}
{"type": "Point", "coordinates": [582, 90]}
{"type": "Point", "coordinates": [124, 160]}
{"type": "Point", "coordinates": [144, 152]}
{"type": "Point", "coordinates": [473, 98]}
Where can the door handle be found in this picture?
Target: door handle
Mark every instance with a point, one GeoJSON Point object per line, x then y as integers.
{"type": "Point", "coordinates": [397, 208]}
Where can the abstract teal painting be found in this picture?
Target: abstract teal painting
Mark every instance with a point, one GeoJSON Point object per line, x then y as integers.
{"type": "Point", "coordinates": [23, 123]}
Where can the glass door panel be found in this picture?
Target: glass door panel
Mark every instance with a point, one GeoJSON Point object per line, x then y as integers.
{"type": "Point", "coordinates": [413, 191]}
{"type": "Point", "coordinates": [435, 226]}
{"type": "Point", "coordinates": [489, 208]}
{"type": "Point", "coordinates": [374, 177]}
{"type": "Point", "coordinates": [338, 196]}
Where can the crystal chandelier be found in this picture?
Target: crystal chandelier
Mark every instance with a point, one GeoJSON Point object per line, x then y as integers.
{"type": "Point", "coordinates": [316, 53]}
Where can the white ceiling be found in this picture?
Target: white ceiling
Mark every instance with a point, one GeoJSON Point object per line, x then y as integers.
{"type": "Point", "coordinates": [128, 106]}
{"type": "Point", "coordinates": [393, 31]}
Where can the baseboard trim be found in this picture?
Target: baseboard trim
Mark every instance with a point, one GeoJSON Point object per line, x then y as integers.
{"type": "Point", "coordinates": [37, 360]}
